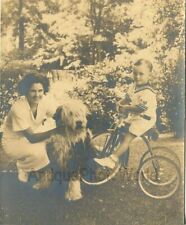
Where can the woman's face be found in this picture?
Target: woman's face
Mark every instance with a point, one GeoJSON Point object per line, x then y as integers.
{"type": "Point", "coordinates": [35, 93]}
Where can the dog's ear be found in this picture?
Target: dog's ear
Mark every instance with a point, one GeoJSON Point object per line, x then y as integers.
{"type": "Point", "coordinates": [87, 110]}
{"type": "Point", "coordinates": [57, 116]}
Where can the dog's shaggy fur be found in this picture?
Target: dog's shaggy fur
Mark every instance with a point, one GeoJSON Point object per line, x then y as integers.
{"type": "Point", "coordinates": [70, 144]}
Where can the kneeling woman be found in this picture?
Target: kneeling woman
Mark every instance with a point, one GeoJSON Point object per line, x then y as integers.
{"type": "Point", "coordinates": [20, 140]}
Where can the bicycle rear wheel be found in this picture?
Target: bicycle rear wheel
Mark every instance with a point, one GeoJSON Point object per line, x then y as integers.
{"type": "Point", "coordinates": [167, 153]}
{"type": "Point", "coordinates": [157, 171]}
{"type": "Point", "coordinates": [162, 151]}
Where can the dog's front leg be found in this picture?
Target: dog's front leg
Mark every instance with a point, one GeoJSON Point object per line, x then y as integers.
{"type": "Point", "coordinates": [74, 189]}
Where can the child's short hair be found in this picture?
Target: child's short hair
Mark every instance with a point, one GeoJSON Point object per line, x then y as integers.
{"type": "Point", "coordinates": [144, 61]}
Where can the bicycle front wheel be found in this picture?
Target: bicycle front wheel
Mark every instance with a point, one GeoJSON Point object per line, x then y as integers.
{"type": "Point", "coordinates": [104, 144]}
{"type": "Point", "coordinates": [100, 142]}
{"type": "Point", "coordinates": [99, 175]}
{"type": "Point", "coordinates": [154, 173]}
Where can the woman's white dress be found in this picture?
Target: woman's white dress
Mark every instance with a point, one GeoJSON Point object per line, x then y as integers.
{"type": "Point", "coordinates": [29, 156]}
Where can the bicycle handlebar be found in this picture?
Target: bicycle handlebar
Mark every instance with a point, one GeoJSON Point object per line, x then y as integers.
{"type": "Point", "coordinates": [145, 116]}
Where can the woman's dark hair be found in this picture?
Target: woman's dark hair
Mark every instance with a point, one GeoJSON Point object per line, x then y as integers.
{"type": "Point", "coordinates": [32, 78]}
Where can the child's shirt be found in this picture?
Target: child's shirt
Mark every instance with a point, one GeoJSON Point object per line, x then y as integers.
{"type": "Point", "coordinates": [144, 98]}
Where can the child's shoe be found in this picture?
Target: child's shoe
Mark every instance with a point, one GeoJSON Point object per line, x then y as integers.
{"type": "Point", "coordinates": [109, 162]}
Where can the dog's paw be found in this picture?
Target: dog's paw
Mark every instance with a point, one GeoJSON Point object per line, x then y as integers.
{"type": "Point", "coordinates": [41, 185]}
{"type": "Point", "coordinates": [74, 191]}
{"type": "Point", "coordinates": [45, 180]}
{"type": "Point", "coordinates": [70, 196]}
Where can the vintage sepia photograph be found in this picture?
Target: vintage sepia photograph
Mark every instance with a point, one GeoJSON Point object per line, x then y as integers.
{"type": "Point", "coordinates": [92, 112]}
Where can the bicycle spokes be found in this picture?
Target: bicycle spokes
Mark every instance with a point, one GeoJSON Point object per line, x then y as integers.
{"type": "Point", "coordinates": [159, 177]}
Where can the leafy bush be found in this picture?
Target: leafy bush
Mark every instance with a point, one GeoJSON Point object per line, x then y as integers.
{"type": "Point", "coordinates": [100, 86]}
{"type": "Point", "coordinates": [110, 35]}
{"type": "Point", "coordinates": [106, 83]}
{"type": "Point", "coordinates": [7, 95]}
{"type": "Point", "coordinates": [174, 94]}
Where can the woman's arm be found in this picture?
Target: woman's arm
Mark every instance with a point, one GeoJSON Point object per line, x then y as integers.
{"type": "Point", "coordinates": [37, 137]}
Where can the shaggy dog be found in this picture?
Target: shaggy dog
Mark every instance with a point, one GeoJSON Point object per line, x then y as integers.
{"type": "Point", "coordinates": [71, 145]}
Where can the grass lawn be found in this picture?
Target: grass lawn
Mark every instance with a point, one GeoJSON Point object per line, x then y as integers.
{"type": "Point", "coordinates": [118, 202]}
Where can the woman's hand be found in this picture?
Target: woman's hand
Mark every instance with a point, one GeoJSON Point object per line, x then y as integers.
{"type": "Point", "coordinates": [60, 129]}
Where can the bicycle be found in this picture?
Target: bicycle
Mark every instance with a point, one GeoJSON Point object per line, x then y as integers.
{"type": "Point", "coordinates": [158, 175]}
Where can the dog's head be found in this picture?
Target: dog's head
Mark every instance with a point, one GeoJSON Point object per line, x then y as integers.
{"type": "Point", "coordinates": [72, 114]}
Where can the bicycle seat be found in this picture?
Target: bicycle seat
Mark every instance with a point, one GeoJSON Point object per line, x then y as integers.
{"type": "Point", "coordinates": [152, 134]}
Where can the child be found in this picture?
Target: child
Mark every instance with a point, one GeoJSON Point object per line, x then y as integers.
{"type": "Point", "coordinates": [141, 111]}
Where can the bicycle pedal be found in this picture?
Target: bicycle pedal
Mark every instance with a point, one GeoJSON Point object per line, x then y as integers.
{"type": "Point", "coordinates": [110, 130]}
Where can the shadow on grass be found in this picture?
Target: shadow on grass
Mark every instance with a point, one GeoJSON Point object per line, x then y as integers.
{"type": "Point", "coordinates": [118, 202]}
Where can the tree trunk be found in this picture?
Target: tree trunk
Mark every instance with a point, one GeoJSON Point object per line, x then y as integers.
{"type": "Point", "coordinates": [96, 9]}
{"type": "Point", "coordinates": [21, 26]}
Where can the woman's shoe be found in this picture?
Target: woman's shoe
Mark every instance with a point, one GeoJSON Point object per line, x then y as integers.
{"type": "Point", "coordinates": [23, 176]}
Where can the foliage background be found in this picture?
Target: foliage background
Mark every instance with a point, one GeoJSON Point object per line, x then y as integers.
{"type": "Point", "coordinates": [99, 40]}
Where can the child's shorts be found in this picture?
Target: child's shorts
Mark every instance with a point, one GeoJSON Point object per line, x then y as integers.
{"type": "Point", "coordinates": [140, 126]}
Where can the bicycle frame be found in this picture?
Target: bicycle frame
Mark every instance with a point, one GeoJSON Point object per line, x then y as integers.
{"type": "Point", "coordinates": [155, 163]}
{"type": "Point", "coordinates": [148, 173]}
{"type": "Point", "coordinates": [114, 141]}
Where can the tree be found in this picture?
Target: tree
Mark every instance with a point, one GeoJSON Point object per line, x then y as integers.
{"type": "Point", "coordinates": [21, 26]}
{"type": "Point", "coordinates": [102, 33]}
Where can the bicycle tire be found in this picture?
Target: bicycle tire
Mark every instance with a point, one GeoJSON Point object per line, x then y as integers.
{"type": "Point", "coordinates": [177, 180]}
{"type": "Point", "coordinates": [165, 152]}
{"type": "Point", "coordinates": [96, 183]}
{"type": "Point", "coordinates": [162, 151]}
